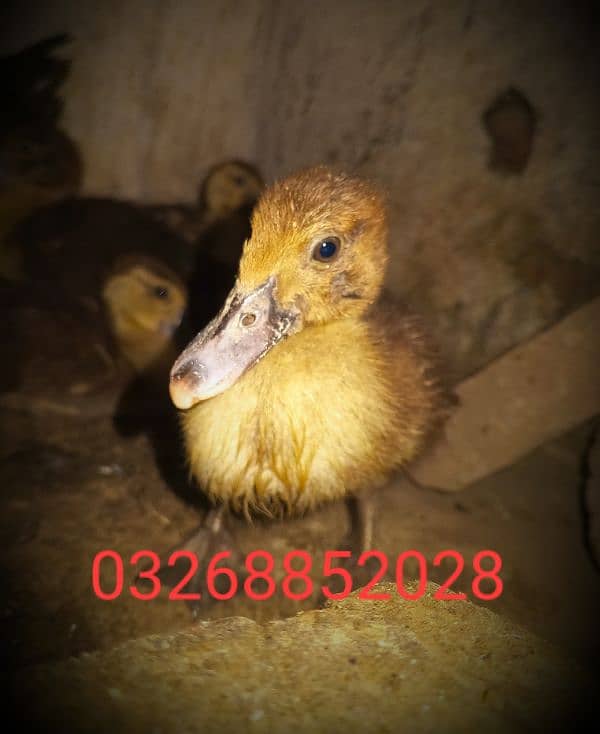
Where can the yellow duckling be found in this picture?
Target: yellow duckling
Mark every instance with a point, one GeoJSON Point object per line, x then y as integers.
{"type": "Point", "coordinates": [215, 230]}
{"type": "Point", "coordinates": [307, 387]}
{"type": "Point", "coordinates": [145, 303]}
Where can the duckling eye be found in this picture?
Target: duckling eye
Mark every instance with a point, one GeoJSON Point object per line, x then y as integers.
{"type": "Point", "coordinates": [327, 250]}
{"type": "Point", "coordinates": [160, 292]}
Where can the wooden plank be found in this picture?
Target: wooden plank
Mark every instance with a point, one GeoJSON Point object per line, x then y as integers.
{"type": "Point", "coordinates": [531, 395]}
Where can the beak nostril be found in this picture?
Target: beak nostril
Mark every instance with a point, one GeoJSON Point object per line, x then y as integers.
{"type": "Point", "coordinates": [248, 319]}
{"type": "Point", "coordinates": [192, 372]}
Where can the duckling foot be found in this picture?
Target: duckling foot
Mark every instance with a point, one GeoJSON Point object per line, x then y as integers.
{"type": "Point", "coordinates": [358, 540]}
{"type": "Point", "coordinates": [187, 579]}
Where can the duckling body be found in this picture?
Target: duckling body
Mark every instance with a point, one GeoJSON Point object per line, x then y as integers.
{"type": "Point", "coordinates": [307, 387]}
{"type": "Point", "coordinates": [53, 352]}
{"type": "Point", "coordinates": [75, 356]}
{"type": "Point", "coordinates": [335, 410]}
{"type": "Point", "coordinates": [39, 163]}
{"type": "Point", "coordinates": [75, 243]}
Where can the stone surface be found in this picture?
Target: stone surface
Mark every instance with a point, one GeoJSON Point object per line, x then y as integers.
{"type": "Point", "coordinates": [358, 665]}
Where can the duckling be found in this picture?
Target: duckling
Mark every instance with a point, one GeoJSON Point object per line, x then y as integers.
{"type": "Point", "coordinates": [76, 356]}
{"type": "Point", "coordinates": [308, 386]}
{"type": "Point", "coordinates": [228, 188]}
{"type": "Point", "coordinates": [146, 306]}
{"type": "Point", "coordinates": [38, 166]}
{"type": "Point", "coordinates": [31, 78]}
{"type": "Point", "coordinates": [145, 303]}
{"type": "Point", "coordinates": [216, 229]}
{"type": "Point", "coordinates": [39, 163]}
{"type": "Point", "coordinates": [54, 352]}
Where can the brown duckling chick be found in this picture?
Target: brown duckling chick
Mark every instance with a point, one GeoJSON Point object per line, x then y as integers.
{"type": "Point", "coordinates": [54, 351]}
{"type": "Point", "coordinates": [307, 387]}
{"type": "Point", "coordinates": [76, 357]}
{"type": "Point", "coordinates": [227, 188]}
{"type": "Point", "coordinates": [39, 163]}
{"type": "Point", "coordinates": [38, 166]}
{"type": "Point", "coordinates": [145, 304]}
{"type": "Point", "coordinates": [74, 244]}
{"type": "Point", "coordinates": [31, 79]}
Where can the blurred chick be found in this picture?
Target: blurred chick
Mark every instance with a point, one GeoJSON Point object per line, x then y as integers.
{"type": "Point", "coordinates": [216, 229]}
{"type": "Point", "coordinates": [111, 257]}
{"type": "Point", "coordinates": [228, 188]}
{"type": "Point", "coordinates": [31, 79]}
{"type": "Point", "coordinates": [229, 192]}
{"type": "Point", "coordinates": [37, 167]}
{"type": "Point", "coordinates": [145, 303]}
{"type": "Point", "coordinates": [76, 356]}
{"type": "Point", "coordinates": [39, 163]}
{"type": "Point", "coordinates": [307, 387]}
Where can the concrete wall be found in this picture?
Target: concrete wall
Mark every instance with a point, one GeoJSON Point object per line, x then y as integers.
{"type": "Point", "coordinates": [395, 90]}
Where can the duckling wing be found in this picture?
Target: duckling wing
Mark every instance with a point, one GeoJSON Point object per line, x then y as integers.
{"type": "Point", "coordinates": [413, 365]}
{"type": "Point", "coordinates": [55, 355]}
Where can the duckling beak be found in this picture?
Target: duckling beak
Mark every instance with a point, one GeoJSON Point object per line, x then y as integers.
{"type": "Point", "coordinates": [168, 328]}
{"type": "Point", "coordinates": [248, 326]}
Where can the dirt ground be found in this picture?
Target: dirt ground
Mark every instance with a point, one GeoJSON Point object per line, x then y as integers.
{"type": "Point", "coordinates": [72, 487]}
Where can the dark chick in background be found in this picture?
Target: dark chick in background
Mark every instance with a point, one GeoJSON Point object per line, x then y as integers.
{"type": "Point", "coordinates": [75, 356]}
{"type": "Point", "coordinates": [39, 163]}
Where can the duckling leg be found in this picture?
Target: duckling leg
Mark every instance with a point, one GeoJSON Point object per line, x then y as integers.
{"type": "Point", "coordinates": [361, 509]}
{"type": "Point", "coordinates": [209, 538]}
{"type": "Point", "coordinates": [362, 512]}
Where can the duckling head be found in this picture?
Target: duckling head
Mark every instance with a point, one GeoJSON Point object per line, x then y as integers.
{"type": "Point", "coordinates": [145, 302]}
{"type": "Point", "coordinates": [317, 253]}
{"type": "Point", "coordinates": [228, 187]}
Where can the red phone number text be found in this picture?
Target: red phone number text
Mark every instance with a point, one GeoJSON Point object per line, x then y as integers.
{"type": "Point", "coordinates": [300, 576]}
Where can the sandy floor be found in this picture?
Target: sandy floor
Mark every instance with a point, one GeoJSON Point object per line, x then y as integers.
{"type": "Point", "coordinates": [72, 487]}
